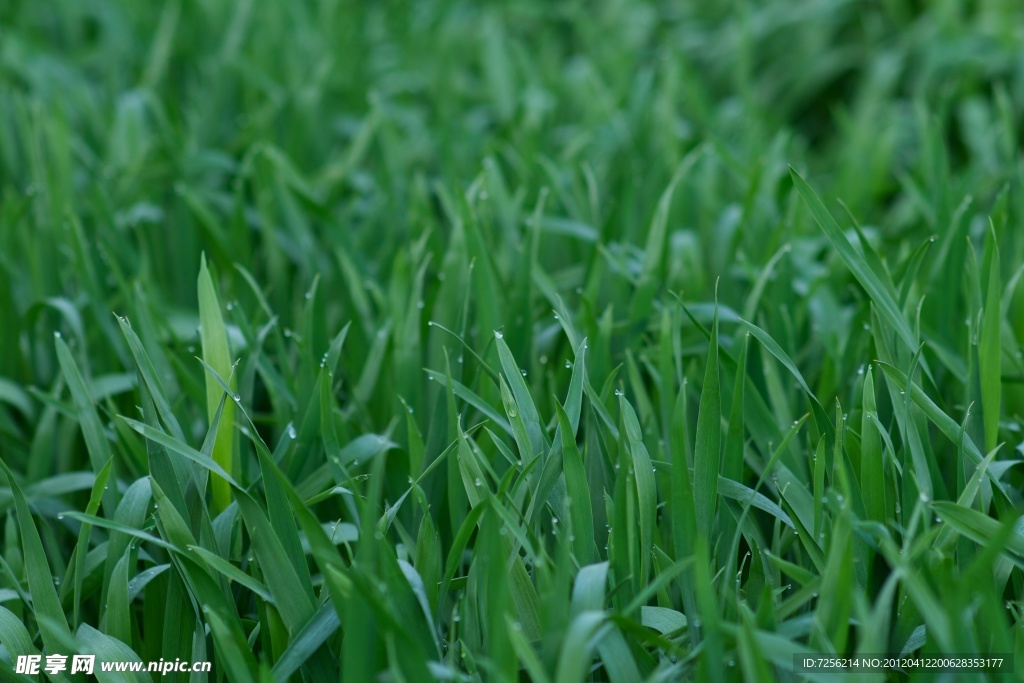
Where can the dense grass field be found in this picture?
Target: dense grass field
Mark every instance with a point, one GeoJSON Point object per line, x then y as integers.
{"type": "Point", "coordinates": [577, 341]}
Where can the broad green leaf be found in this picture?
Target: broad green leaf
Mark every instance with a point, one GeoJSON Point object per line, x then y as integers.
{"type": "Point", "coordinates": [663, 619]}
{"type": "Point", "coordinates": [574, 659]}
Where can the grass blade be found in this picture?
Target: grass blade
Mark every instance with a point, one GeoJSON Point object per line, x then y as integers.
{"type": "Point", "coordinates": [707, 450]}
{"type": "Point", "coordinates": [216, 355]}
{"type": "Point", "coordinates": [881, 296]}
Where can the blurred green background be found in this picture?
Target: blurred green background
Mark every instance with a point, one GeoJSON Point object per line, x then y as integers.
{"type": "Point", "coordinates": [417, 167]}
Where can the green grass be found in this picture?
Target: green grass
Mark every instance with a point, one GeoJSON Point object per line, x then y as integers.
{"type": "Point", "coordinates": [563, 342]}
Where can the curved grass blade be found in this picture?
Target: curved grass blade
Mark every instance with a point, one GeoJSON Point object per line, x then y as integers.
{"type": "Point", "coordinates": [45, 604]}
{"type": "Point", "coordinates": [881, 295]}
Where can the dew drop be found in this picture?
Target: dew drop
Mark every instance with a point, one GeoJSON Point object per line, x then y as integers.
{"type": "Point", "coordinates": [524, 372]}
{"type": "Point", "coordinates": [498, 335]}
{"type": "Point", "coordinates": [237, 398]}
{"type": "Point", "coordinates": [292, 434]}
{"type": "Point", "coordinates": [60, 516]}
{"type": "Point", "coordinates": [568, 364]}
